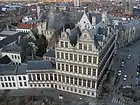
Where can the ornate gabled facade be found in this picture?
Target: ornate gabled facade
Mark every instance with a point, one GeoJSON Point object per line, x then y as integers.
{"type": "Point", "coordinates": [84, 53]}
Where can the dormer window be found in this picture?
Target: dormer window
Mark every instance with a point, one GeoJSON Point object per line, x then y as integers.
{"type": "Point", "coordinates": [85, 35]}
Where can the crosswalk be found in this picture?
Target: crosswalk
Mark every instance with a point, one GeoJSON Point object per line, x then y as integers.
{"type": "Point", "coordinates": [121, 101]}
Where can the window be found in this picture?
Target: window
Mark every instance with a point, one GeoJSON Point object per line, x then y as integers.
{"type": "Point", "coordinates": [84, 83]}
{"type": "Point", "coordinates": [85, 58]}
{"type": "Point", "coordinates": [38, 77]}
{"type": "Point", "coordinates": [1, 79]}
{"type": "Point", "coordinates": [29, 75]}
{"type": "Point", "coordinates": [58, 66]}
{"type": "Point", "coordinates": [66, 44]}
{"type": "Point", "coordinates": [47, 77]}
{"type": "Point", "coordinates": [93, 84]}
{"type": "Point", "coordinates": [83, 91]}
{"type": "Point", "coordinates": [71, 68]}
{"type": "Point", "coordinates": [85, 35]}
{"type": "Point", "coordinates": [34, 78]}
{"type": "Point", "coordinates": [42, 76]}
{"type": "Point", "coordinates": [71, 56]}
{"type": "Point", "coordinates": [75, 57]}
{"type": "Point", "coordinates": [55, 77]}
{"type": "Point", "coordinates": [12, 56]}
{"type": "Point", "coordinates": [19, 77]}
{"type": "Point", "coordinates": [80, 70]}
{"type": "Point", "coordinates": [20, 83]}
{"type": "Point", "coordinates": [67, 79]}
{"type": "Point", "coordinates": [67, 67]}
{"type": "Point", "coordinates": [88, 83]}
{"type": "Point", "coordinates": [9, 79]}
{"type": "Point", "coordinates": [18, 57]}
{"type": "Point", "coordinates": [6, 84]}
{"type": "Point", "coordinates": [24, 78]}
{"type": "Point", "coordinates": [62, 44]}
{"type": "Point", "coordinates": [2, 84]}
{"type": "Point", "coordinates": [5, 79]}
{"type": "Point", "coordinates": [66, 56]}
{"type": "Point", "coordinates": [89, 59]}
{"type": "Point", "coordinates": [12, 78]}
{"type": "Point", "coordinates": [80, 58]}
{"type": "Point", "coordinates": [62, 55]}
{"type": "Point", "coordinates": [75, 69]}
{"type": "Point", "coordinates": [88, 93]}
{"type": "Point", "coordinates": [75, 81]}
{"type": "Point", "coordinates": [59, 78]}
{"type": "Point", "coordinates": [62, 67]}
{"type": "Point", "coordinates": [71, 80]}
{"type": "Point", "coordinates": [39, 85]}
{"type": "Point", "coordinates": [94, 72]}
{"type": "Point", "coordinates": [89, 71]}
{"type": "Point", "coordinates": [95, 60]}
{"type": "Point", "coordinates": [80, 46]}
{"type": "Point", "coordinates": [85, 46]}
{"type": "Point", "coordinates": [90, 47]}
{"type": "Point", "coordinates": [15, 57]}
{"type": "Point", "coordinates": [63, 78]}
{"type": "Point", "coordinates": [51, 77]}
{"type": "Point", "coordinates": [84, 70]}
{"type": "Point", "coordinates": [80, 82]}
{"type": "Point", "coordinates": [92, 93]}
{"type": "Point", "coordinates": [75, 90]}
{"type": "Point", "coordinates": [58, 55]}
{"type": "Point", "coordinates": [25, 84]}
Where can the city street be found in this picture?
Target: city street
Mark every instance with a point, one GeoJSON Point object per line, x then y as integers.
{"type": "Point", "coordinates": [129, 69]}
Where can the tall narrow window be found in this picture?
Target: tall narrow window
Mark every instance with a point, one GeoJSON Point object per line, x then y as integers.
{"type": "Point", "coordinates": [71, 80]}
{"type": "Point", "coordinates": [85, 46]}
{"type": "Point", "coordinates": [80, 70]}
{"type": "Point", "coordinates": [89, 71]}
{"type": "Point", "coordinates": [62, 67]}
{"type": "Point", "coordinates": [67, 67]}
{"type": "Point", "coordinates": [85, 58]}
{"type": "Point", "coordinates": [58, 66]}
{"type": "Point", "coordinates": [30, 79]}
{"type": "Point", "coordinates": [51, 77]}
{"type": "Point", "coordinates": [84, 70]}
{"type": "Point", "coordinates": [46, 76]}
{"type": "Point", "coordinates": [63, 78]}
{"type": "Point", "coordinates": [71, 68]}
{"type": "Point", "coordinates": [71, 56]}
{"type": "Point", "coordinates": [90, 47]}
{"type": "Point", "coordinates": [80, 58]}
{"type": "Point", "coordinates": [55, 77]}
{"type": "Point", "coordinates": [75, 81]}
{"type": "Point", "coordinates": [58, 55]}
{"type": "Point", "coordinates": [94, 72]}
{"type": "Point", "coordinates": [95, 60]}
{"type": "Point", "coordinates": [88, 83]}
{"type": "Point", "coordinates": [59, 78]}
{"type": "Point", "coordinates": [80, 82]}
{"type": "Point", "coordinates": [84, 83]}
{"type": "Point", "coordinates": [62, 55]}
{"type": "Point", "coordinates": [38, 77]}
{"type": "Point", "coordinates": [42, 76]}
{"type": "Point", "coordinates": [93, 84]}
{"type": "Point", "coordinates": [89, 59]}
{"type": "Point", "coordinates": [75, 69]}
{"type": "Point", "coordinates": [62, 44]}
{"type": "Point", "coordinates": [80, 46]}
{"type": "Point", "coordinates": [66, 44]}
{"type": "Point", "coordinates": [67, 79]}
{"type": "Point", "coordinates": [75, 57]}
{"type": "Point", "coordinates": [66, 56]}
{"type": "Point", "coordinates": [34, 78]}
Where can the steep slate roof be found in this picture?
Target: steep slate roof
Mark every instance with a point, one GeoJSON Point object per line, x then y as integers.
{"type": "Point", "coordinates": [5, 60]}
{"type": "Point", "coordinates": [50, 53]}
{"type": "Point", "coordinates": [40, 65]}
{"type": "Point", "coordinates": [11, 39]}
{"type": "Point", "coordinates": [74, 33]}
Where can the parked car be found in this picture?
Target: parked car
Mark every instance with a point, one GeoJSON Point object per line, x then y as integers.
{"type": "Point", "coordinates": [129, 56]}
{"type": "Point", "coordinates": [125, 77]}
{"type": "Point", "coordinates": [120, 72]}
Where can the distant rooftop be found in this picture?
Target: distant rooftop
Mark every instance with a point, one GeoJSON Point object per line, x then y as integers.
{"type": "Point", "coordinates": [50, 53]}
{"type": "Point", "coordinates": [7, 33]}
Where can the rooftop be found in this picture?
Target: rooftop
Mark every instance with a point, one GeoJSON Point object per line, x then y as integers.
{"type": "Point", "coordinates": [5, 60]}
{"type": "Point", "coordinates": [7, 33]}
{"type": "Point", "coordinates": [40, 65]}
{"type": "Point", "coordinates": [50, 53]}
